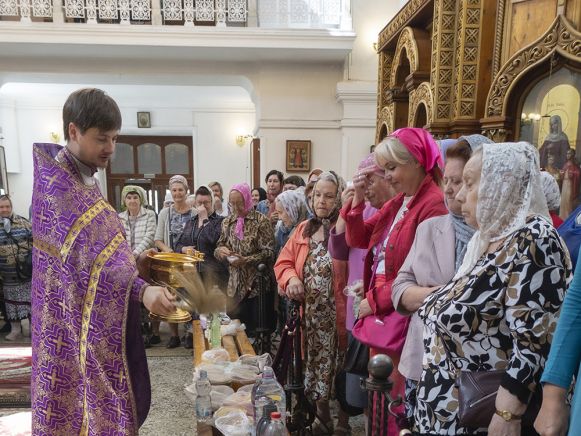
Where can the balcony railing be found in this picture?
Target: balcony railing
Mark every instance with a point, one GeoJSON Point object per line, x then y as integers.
{"type": "Point", "coordinates": [310, 14]}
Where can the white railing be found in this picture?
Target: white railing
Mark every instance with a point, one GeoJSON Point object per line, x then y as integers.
{"type": "Point", "coordinates": [311, 14]}
{"type": "Point", "coordinates": [300, 13]}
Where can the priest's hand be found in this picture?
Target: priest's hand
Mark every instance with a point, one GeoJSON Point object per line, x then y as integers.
{"type": "Point", "coordinates": [144, 264]}
{"type": "Point", "coordinates": [159, 300]}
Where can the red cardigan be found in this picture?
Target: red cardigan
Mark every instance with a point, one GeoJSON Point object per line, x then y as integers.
{"type": "Point", "coordinates": [426, 203]}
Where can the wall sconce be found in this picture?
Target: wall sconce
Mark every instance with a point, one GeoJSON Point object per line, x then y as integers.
{"type": "Point", "coordinates": [55, 137]}
{"type": "Point", "coordinates": [530, 118]}
{"type": "Point", "coordinates": [241, 139]}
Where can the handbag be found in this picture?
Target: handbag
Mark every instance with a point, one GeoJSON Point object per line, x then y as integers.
{"type": "Point", "coordinates": [386, 332]}
{"type": "Point", "coordinates": [356, 357]}
{"type": "Point", "coordinates": [477, 396]}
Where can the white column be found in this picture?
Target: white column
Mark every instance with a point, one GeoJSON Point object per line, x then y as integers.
{"type": "Point", "coordinates": [252, 18]}
{"type": "Point", "coordinates": [346, 18]}
{"type": "Point", "coordinates": [57, 12]}
{"type": "Point", "coordinates": [220, 13]}
{"type": "Point", "coordinates": [25, 11]}
{"type": "Point", "coordinates": [156, 13]}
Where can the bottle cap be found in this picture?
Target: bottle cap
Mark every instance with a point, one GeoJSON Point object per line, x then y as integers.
{"type": "Point", "coordinates": [203, 374]}
{"type": "Point", "coordinates": [275, 415]}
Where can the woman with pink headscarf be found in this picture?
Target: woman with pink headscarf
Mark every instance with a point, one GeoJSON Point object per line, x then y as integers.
{"type": "Point", "coordinates": [412, 163]}
{"type": "Point", "coordinates": [247, 240]}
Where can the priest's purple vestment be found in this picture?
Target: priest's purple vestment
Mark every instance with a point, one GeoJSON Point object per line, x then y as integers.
{"type": "Point", "coordinates": [89, 369]}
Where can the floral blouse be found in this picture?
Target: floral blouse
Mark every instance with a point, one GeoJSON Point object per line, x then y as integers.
{"type": "Point", "coordinates": [257, 246]}
{"type": "Point", "coordinates": [502, 316]}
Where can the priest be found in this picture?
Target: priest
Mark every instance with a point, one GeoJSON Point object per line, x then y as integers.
{"type": "Point", "coordinates": [89, 370]}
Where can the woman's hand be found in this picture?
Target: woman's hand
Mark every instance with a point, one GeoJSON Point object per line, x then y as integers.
{"type": "Point", "coordinates": [295, 289]}
{"type": "Point", "coordinates": [239, 262]}
{"type": "Point", "coordinates": [223, 252]}
{"type": "Point", "coordinates": [202, 213]}
{"type": "Point", "coordinates": [347, 195]}
{"type": "Point", "coordinates": [364, 309]}
{"type": "Point", "coordinates": [553, 418]}
{"type": "Point", "coordinates": [274, 217]}
{"type": "Point", "coordinates": [187, 249]}
{"type": "Point", "coordinates": [359, 187]}
{"type": "Point", "coordinates": [500, 427]}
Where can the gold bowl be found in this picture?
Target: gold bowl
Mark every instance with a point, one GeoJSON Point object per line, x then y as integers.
{"type": "Point", "coordinates": [163, 267]}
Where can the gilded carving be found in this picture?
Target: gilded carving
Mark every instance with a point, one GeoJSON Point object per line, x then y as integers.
{"type": "Point", "coordinates": [443, 43]}
{"type": "Point", "coordinates": [561, 38]}
{"type": "Point", "coordinates": [400, 20]}
{"type": "Point", "coordinates": [467, 58]}
{"type": "Point", "coordinates": [385, 118]}
{"type": "Point", "coordinates": [406, 41]}
{"type": "Point", "coordinates": [421, 95]}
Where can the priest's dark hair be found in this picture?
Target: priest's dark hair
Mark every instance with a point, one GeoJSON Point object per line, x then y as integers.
{"type": "Point", "coordinates": [91, 107]}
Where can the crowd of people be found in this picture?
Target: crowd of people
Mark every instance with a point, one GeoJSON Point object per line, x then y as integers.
{"type": "Point", "coordinates": [444, 256]}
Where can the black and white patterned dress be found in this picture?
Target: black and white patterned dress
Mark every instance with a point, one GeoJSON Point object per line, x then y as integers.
{"type": "Point", "coordinates": [502, 315]}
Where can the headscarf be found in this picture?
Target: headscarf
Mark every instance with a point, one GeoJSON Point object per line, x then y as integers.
{"type": "Point", "coordinates": [551, 191]}
{"type": "Point", "coordinates": [246, 193]}
{"type": "Point", "coordinates": [136, 189]}
{"type": "Point", "coordinates": [315, 171]}
{"type": "Point", "coordinates": [179, 179]}
{"type": "Point", "coordinates": [558, 135]}
{"type": "Point", "coordinates": [294, 204]}
{"type": "Point", "coordinates": [476, 141]}
{"type": "Point", "coordinates": [509, 191]}
{"type": "Point", "coordinates": [370, 162]}
{"type": "Point", "coordinates": [445, 144]}
{"type": "Point", "coordinates": [315, 222]}
{"type": "Point", "coordinates": [422, 147]}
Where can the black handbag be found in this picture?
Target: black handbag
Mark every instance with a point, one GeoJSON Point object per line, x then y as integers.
{"type": "Point", "coordinates": [356, 357]}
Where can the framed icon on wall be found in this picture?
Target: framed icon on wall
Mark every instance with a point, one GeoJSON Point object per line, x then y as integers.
{"type": "Point", "coordinates": [298, 156]}
{"type": "Point", "coordinates": [3, 173]}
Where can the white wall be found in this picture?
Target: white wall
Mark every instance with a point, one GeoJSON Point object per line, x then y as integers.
{"type": "Point", "coordinates": [216, 155]}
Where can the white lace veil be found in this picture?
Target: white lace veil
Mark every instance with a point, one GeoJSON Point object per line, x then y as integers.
{"type": "Point", "coordinates": [510, 190]}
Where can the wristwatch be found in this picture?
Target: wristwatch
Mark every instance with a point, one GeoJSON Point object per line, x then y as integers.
{"type": "Point", "coordinates": [507, 416]}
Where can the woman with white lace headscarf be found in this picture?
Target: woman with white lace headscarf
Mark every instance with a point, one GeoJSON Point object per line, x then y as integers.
{"type": "Point", "coordinates": [500, 310]}
{"type": "Point", "coordinates": [292, 210]}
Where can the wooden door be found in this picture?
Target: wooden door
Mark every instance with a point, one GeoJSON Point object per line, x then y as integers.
{"type": "Point", "coordinates": [149, 161]}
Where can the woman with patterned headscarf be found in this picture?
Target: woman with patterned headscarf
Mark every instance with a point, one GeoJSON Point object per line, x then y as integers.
{"type": "Point", "coordinates": [500, 310]}
{"type": "Point", "coordinates": [412, 163]}
{"type": "Point", "coordinates": [139, 222]}
{"type": "Point", "coordinates": [306, 272]}
{"type": "Point", "coordinates": [292, 210]}
{"type": "Point", "coordinates": [171, 223]}
{"type": "Point", "coordinates": [247, 240]}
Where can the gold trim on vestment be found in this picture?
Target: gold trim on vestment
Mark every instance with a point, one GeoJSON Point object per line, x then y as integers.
{"type": "Point", "coordinates": [79, 224]}
{"type": "Point", "coordinates": [45, 247]}
{"type": "Point", "coordinates": [89, 299]}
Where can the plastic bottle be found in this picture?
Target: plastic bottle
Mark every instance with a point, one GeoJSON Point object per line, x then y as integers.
{"type": "Point", "coordinates": [215, 336]}
{"type": "Point", "coordinates": [276, 426]}
{"type": "Point", "coordinates": [203, 400]}
{"type": "Point", "coordinates": [265, 419]}
{"type": "Point", "coordinates": [265, 390]}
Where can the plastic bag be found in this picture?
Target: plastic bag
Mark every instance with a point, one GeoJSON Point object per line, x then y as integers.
{"type": "Point", "coordinates": [259, 361]}
{"type": "Point", "coordinates": [242, 400]}
{"type": "Point", "coordinates": [218, 373]}
{"type": "Point", "coordinates": [218, 394]}
{"type": "Point", "coordinates": [215, 355]}
{"type": "Point", "coordinates": [243, 374]}
{"type": "Point", "coordinates": [235, 423]}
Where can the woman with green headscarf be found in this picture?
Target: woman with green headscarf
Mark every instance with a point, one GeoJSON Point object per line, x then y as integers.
{"type": "Point", "coordinates": [139, 222]}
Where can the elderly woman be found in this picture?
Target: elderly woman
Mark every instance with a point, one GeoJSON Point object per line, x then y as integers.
{"type": "Point", "coordinates": [305, 272]}
{"type": "Point", "coordinates": [411, 160]}
{"type": "Point", "coordinates": [171, 223]}
{"type": "Point", "coordinates": [501, 307]}
{"type": "Point", "coordinates": [220, 206]}
{"type": "Point", "coordinates": [377, 193]}
{"type": "Point", "coordinates": [437, 252]}
{"type": "Point", "coordinates": [247, 240]}
{"type": "Point", "coordinates": [15, 245]}
{"type": "Point", "coordinates": [291, 207]}
{"type": "Point", "coordinates": [274, 183]}
{"type": "Point", "coordinates": [139, 222]}
{"type": "Point", "coordinates": [202, 234]}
